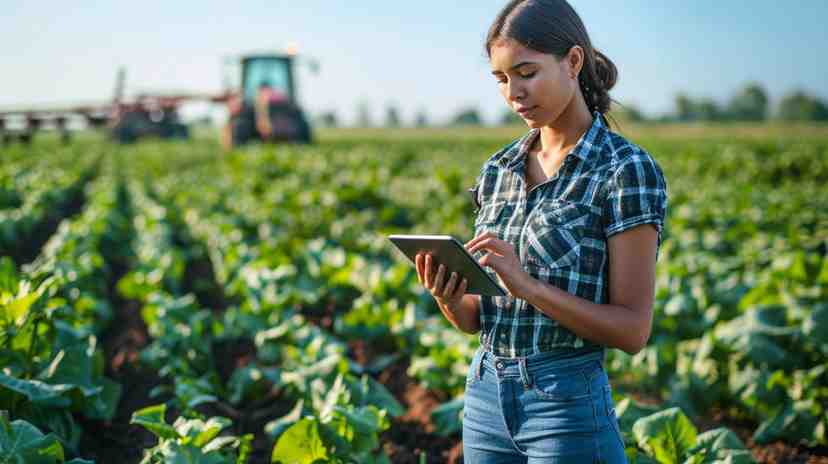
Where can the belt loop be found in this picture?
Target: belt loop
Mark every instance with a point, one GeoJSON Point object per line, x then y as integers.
{"type": "Point", "coordinates": [478, 360]}
{"type": "Point", "coordinates": [524, 373]}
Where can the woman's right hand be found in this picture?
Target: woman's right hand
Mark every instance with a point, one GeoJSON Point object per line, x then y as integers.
{"type": "Point", "coordinates": [447, 293]}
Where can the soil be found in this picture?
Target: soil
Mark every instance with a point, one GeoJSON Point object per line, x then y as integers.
{"type": "Point", "coordinates": [116, 440]}
{"type": "Point", "coordinates": [413, 433]}
{"type": "Point", "coordinates": [771, 453]}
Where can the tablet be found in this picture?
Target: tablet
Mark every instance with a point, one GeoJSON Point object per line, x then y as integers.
{"type": "Point", "coordinates": [448, 251]}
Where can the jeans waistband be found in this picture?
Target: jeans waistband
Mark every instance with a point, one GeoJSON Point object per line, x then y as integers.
{"type": "Point", "coordinates": [520, 366]}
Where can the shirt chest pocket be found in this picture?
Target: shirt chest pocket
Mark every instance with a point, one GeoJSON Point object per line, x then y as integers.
{"type": "Point", "coordinates": [489, 218]}
{"type": "Point", "coordinates": [554, 234]}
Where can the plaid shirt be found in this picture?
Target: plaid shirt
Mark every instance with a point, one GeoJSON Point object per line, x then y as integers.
{"type": "Point", "coordinates": [604, 186]}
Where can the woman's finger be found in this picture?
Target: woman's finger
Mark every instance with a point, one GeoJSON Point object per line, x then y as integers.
{"type": "Point", "coordinates": [461, 289]}
{"type": "Point", "coordinates": [491, 244]}
{"type": "Point", "coordinates": [490, 260]}
{"type": "Point", "coordinates": [480, 237]}
{"type": "Point", "coordinates": [418, 264]}
{"type": "Point", "coordinates": [438, 280]}
{"type": "Point", "coordinates": [449, 289]}
{"type": "Point", "coordinates": [427, 271]}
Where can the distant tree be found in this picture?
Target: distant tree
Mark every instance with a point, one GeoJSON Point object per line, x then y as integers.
{"type": "Point", "coordinates": [627, 112]}
{"type": "Point", "coordinates": [510, 118]}
{"type": "Point", "coordinates": [708, 110]}
{"type": "Point", "coordinates": [750, 104]}
{"type": "Point", "coordinates": [799, 106]}
{"type": "Point", "coordinates": [685, 110]}
{"type": "Point", "coordinates": [421, 120]}
{"type": "Point", "coordinates": [705, 109]}
{"type": "Point", "coordinates": [392, 116]}
{"type": "Point", "coordinates": [467, 117]}
{"type": "Point", "coordinates": [329, 119]}
{"type": "Point", "coordinates": [364, 115]}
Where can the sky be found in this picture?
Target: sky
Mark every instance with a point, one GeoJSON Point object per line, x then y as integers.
{"type": "Point", "coordinates": [416, 55]}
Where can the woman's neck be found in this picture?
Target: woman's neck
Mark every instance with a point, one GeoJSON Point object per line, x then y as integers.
{"type": "Point", "coordinates": [562, 135]}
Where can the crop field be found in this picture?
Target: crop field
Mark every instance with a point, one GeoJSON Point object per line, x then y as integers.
{"type": "Point", "coordinates": [166, 302]}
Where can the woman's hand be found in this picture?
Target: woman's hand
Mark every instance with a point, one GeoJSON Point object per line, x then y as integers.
{"type": "Point", "coordinates": [502, 258]}
{"type": "Point", "coordinates": [447, 293]}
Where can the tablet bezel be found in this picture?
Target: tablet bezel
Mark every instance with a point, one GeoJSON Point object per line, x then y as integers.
{"type": "Point", "coordinates": [479, 282]}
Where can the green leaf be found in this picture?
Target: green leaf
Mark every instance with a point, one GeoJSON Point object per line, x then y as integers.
{"type": "Point", "coordinates": [447, 417]}
{"type": "Point", "coordinates": [188, 454]}
{"type": "Point", "coordinates": [22, 442]}
{"type": "Point", "coordinates": [795, 422]}
{"type": "Point", "coordinates": [720, 445]}
{"type": "Point", "coordinates": [666, 435]}
{"type": "Point", "coordinates": [16, 310]}
{"type": "Point", "coordinates": [367, 391]}
{"type": "Point", "coordinates": [201, 432]}
{"type": "Point", "coordinates": [9, 276]}
{"type": "Point", "coordinates": [275, 427]}
{"type": "Point", "coordinates": [628, 411]}
{"type": "Point", "coordinates": [300, 444]}
{"type": "Point", "coordinates": [38, 392]}
{"type": "Point", "coordinates": [152, 419]}
{"type": "Point", "coordinates": [59, 421]}
{"type": "Point", "coordinates": [359, 427]}
{"type": "Point", "coordinates": [815, 327]}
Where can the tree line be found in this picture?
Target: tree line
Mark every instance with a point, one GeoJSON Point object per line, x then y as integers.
{"type": "Point", "coordinates": [750, 104]}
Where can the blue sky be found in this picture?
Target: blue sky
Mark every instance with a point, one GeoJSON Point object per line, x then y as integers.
{"type": "Point", "coordinates": [422, 54]}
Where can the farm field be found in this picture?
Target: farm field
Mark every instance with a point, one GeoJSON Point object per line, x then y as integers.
{"type": "Point", "coordinates": [168, 302]}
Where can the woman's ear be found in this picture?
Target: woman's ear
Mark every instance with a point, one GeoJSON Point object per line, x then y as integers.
{"type": "Point", "coordinates": [575, 61]}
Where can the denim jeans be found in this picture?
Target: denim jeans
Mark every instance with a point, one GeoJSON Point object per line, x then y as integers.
{"type": "Point", "coordinates": [540, 409]}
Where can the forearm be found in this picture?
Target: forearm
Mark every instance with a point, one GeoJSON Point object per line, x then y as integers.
{"type": "Point", "coordinates": [606, 324]}
{"type": "Point", "coordinates": [466, 317]}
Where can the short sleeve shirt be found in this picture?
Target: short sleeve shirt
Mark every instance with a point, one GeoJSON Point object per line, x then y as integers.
{"type": "Point", "coordinates": [559, 229]}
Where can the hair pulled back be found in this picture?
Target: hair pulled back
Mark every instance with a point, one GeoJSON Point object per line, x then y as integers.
{"type": "Point", "coordinates": [553, 27]}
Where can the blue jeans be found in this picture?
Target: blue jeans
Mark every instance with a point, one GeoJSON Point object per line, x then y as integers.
{"type": "Point", "coordinates": [540, 409]}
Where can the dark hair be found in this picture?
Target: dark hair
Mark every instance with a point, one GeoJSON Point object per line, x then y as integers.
{"type": "Point", "coordinates": [553, 27]}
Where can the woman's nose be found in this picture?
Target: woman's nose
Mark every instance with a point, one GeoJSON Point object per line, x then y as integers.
{"type": "Point", "coordinates": [515, 92]}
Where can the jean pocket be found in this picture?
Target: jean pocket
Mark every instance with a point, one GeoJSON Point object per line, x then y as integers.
{"type": "Point", "coordinates": [560, 385]}
{"type": "Point", "coordinates": [472, 374]}
{"type": "Point", "coordinates": [610, 410]}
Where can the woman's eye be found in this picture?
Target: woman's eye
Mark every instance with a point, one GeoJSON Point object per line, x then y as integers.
{"type": "Point", "coordinates": [528, 76]}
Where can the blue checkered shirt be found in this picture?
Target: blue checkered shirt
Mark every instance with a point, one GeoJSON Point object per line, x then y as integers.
{"type": "Point", "coordinates": [559, 229]}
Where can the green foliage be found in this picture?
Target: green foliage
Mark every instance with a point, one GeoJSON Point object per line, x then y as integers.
{"type": "Point", "coordinates": [669, 437]}
{"type": "Point", "coordinates": [799, 106]}
{"type": "Point", "coordinates": [280, 254]}
{"type": "Point", "coordinates": [191, 440]}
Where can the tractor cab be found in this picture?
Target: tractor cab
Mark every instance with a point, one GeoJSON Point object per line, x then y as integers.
{"type": "Point", "coordinates": [273, 71]}
{"type": "Point", "coordinates": [264, 107]}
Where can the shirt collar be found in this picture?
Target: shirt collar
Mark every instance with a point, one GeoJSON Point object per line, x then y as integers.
{"type": "Point", "coordinates": [589, 142]}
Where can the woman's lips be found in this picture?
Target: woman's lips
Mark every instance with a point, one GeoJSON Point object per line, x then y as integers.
{"type": "Point", "coordinates": [524, 111]}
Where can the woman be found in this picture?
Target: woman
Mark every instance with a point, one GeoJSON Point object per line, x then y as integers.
{"type": "Point", "coordinates": [570, 221]}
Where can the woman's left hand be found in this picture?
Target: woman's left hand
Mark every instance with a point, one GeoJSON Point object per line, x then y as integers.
{"type": "Point", "coordinates": [503, 259]}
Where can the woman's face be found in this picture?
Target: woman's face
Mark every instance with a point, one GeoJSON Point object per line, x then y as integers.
{"type": "Point", "coordinates": [537, 86]}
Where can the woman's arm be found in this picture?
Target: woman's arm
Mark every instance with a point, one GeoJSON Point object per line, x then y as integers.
{"type": "Point", "coordinates": [624, 323]}
{"type": "Point", "coordinates": [466, 316]}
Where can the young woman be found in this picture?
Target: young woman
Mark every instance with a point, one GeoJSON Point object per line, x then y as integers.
{"type": "Point", "coordinates": [570, 221]}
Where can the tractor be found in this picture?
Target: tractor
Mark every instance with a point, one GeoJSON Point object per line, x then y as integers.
{"type": "Point", "coordinates": [264, 108]}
